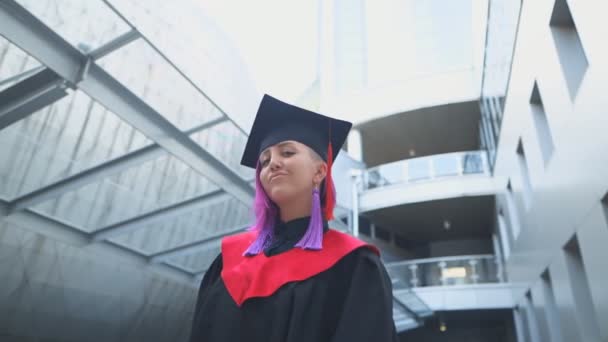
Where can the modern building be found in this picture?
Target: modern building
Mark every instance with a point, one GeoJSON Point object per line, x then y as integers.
{"type": "Point", "coordinates": [477, 163]}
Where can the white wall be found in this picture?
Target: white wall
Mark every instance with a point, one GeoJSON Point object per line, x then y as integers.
{"type": "Point", "coordinates": [557, 195]}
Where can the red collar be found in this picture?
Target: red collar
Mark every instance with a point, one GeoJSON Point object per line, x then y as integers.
{"type": "Point", "coordinates": [260, 276]}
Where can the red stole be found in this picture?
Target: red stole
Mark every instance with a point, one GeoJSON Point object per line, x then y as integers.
{"type": "Point", "coordinates": [260, 276]}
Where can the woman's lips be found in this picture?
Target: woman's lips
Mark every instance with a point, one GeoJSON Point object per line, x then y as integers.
{"type": "Point", "coordinates": [276, 176]}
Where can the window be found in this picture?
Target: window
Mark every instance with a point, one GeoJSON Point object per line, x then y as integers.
{"type": "Point", "coordinates": [550, 307]}
{"type": "Point", "coordinates": [513, 215]}
{"type": "Point", "coordinates": [579, 284]}
{"type": "Point", "coordinates": [541, 124]}
{"type": "Point", "coordinates": [533, 333]}
{"type": "Point", "coordinates": [568, 44]}
{"type": "Point", "coordinates": [525, 175]}
{"type": "Point", "coordinates": [605, 206]}
{"type": "Point", "coordinates": [505, 234]}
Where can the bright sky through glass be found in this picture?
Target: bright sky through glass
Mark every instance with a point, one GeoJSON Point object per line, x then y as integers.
{"type": "Point", "coordinates": [277, 39]}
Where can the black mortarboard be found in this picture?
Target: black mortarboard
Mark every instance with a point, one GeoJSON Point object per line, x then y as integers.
{"type": "Point", "coordinates": [278, 121]}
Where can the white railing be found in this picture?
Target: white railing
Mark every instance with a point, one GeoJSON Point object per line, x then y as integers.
{"type": "Point", "coordinates": [427, 168]}
{"type": "Point", "coordinates": [443, 271]}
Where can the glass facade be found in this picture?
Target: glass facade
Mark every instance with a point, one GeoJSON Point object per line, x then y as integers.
{"type": "Point", "coordinates": [503, 21]}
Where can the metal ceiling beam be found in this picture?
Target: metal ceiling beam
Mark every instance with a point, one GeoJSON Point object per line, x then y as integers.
{"type": "Point", "coordinates": [132, 224]}
{"type": "Point", "coordinates": [181, 267]}
{"type": "Point", "coordinates": [195, 246]}
{"type": "Point", "coordinates": [118, 99]}
{"type": "Point", "coordinates": [19, 77]}
{"type": "Point", "coordinates": [30, 95]}
{"type": "Point", "coordinates": [43, 87]}
{"type": "Point", "coordinates": [32, 36]}
{"type": "Point", "coordinates": [200, 273]}
{"type": "Point", "coordinates": [27, 32]}
{"type": "Point", "coordinates": [209, 242]}
{"type": "Point", "coordinates": [115, 44]}
{"type": "Point", "coordinates": [99, 172]}
{"type": "Point", "coordinates": [43, 225]}
{"type": "Point", "coordinates": [67, 234]}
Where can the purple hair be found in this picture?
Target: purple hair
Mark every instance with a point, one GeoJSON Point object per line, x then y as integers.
{"type": "Point", "coordinates": [266, 214]}
{"type": "Point", "coordinates": [265, 217]}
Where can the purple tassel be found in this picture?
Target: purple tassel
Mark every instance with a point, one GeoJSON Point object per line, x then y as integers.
{"type": "Point", "coordinates": [313, 239]}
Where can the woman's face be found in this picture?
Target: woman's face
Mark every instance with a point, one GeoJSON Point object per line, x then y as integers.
{"type": "Point", "coordinates": [290, 170]}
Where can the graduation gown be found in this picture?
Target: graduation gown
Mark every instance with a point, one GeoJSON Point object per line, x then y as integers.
{"type": "Point", "coordinates": [340, 293]}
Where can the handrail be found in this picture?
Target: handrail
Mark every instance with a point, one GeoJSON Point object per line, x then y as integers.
{"type": "Point", "coordinates": [440, 259]}
{"type": "Point", "coordinates": [449, 270]}
{"type": "Point", "coordinates": [427, 168]}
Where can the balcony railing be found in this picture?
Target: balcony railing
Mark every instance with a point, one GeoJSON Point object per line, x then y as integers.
{"type": "Point", "coordinates": [426, 168]}
{"type": "Point", "coordinates": [444, 271]}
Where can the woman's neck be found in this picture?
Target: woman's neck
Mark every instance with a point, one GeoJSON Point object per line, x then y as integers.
{"type": "Point", "coordinates": [297, 209]}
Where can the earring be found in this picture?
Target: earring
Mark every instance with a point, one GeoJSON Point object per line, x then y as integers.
{"type": "Point", "coordinates": [313, 239]}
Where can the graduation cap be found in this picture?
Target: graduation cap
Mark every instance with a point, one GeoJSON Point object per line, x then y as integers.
{"type": "Point", "coordinates": [277, 121]}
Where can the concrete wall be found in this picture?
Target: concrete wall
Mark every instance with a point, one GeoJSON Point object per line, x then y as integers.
{"type": "Point", "coordinates": [552, 148]}
{"type": "Point", "coordinates": [51, 291]}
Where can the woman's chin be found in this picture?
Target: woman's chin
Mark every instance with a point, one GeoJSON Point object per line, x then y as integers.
{"type": "Point", "coordinates": [279, 196]}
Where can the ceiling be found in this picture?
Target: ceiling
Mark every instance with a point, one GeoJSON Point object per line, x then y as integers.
{"type": "Point", "coordinates": [465, 325]}
{"type": "Point", "coordinates": [390, 138]}
{"type": "Point", "coordinates": [469, 217]}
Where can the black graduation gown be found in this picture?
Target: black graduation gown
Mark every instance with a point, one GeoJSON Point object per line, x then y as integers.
{"type": "Point", "coordinates": [350, 301]}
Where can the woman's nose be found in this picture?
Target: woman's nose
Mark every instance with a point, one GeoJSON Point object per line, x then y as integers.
{"type": "Point", "coordinates": [275, 162]}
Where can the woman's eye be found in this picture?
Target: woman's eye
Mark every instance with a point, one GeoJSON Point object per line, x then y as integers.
{"type": "Point", "coordinates": [285, 153]}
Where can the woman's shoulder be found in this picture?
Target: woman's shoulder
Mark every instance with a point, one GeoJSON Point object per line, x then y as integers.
{"type": "Point", "coordinates": [365, 254]}
{"type": "Point", "coordinates": [237, 241]}
{"type": "Point", "coordinates": [337, 239]}
{"type": "Point", "coordinates": [216, 265]}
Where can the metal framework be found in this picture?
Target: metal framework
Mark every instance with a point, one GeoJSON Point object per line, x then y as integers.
{"type": "Point", "coordinates": [195, 246]}
{"type": "Point", "coordinates": [71, 235]}
{"type": "Point", "coordinates": [175, 210]}
{"type": "Point", "coordinates": [68, 67]}
{"type": "Point", "coordinates": [97, 173]}
{"type": "Point", "coordinates": [31, 35]}
{"type": "Point", "coordinates": [29, 95]}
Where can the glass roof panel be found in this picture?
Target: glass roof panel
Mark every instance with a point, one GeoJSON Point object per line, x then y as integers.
{"type": "Point", "coordinates": [86, 25]}
{"type": "Point", "coordinates": [226, 143]}
{"type": "Point", "coordinates": [188, 227]}
{"type": "Point", "coordinates": [197, 262]}
{"type": "Point", "coordinates": [151, 77]}
{"type": "Point", "coordinates": [60, 140]}
{"type": "Point", "coordinates": [138, 190]}
{"type": "Point", "coordinates": [212, 61]}
{"type": "Point", "coordinates": [15, 64]}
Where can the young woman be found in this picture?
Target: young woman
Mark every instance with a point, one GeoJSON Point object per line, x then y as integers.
{"type": "Point", "coordinates": [291, 278]}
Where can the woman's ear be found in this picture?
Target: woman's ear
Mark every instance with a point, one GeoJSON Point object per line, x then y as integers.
{"type": "Point", "coordinates": [321, 172]}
